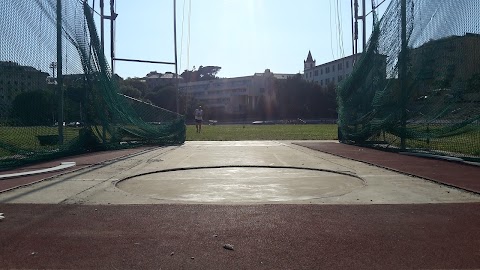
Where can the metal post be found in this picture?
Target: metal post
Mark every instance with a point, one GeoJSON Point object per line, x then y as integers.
{"type": "Point", "coordinates": [355, 6]}
{"type": "Point", "coordinates": [102, 26]}
{"type": "Point", "coordinates": [59, 72]}
{"type": "Point", "coordinates": [112, 34]}
{"type": "Point", "coordinates": [364, 26]}
{"type": "Point", "coordinates": [403, 72]}
{"type": "Point", "coordinates": [175, 46]}
{"type": "Point", "coordinates": [353, 31]}
{"type": "Point", "coordinates": [53, 66]}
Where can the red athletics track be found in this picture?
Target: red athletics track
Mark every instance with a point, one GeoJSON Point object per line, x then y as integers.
{"type": "Point", "coordinates": [425, 236]}
{"type": "Point", "coordinates": [451, 173]}
{"type": "Point", "coordinates": [428, 236]}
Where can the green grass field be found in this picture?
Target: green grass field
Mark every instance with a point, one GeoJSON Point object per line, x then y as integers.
{"type": "Point", "coordinates": [26, 137]}
{"type": "Point", "coordinates": [464, 143]}
{"type": "Point", "coordinates": [262, 132]}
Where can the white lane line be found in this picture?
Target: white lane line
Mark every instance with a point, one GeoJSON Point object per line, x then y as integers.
{"type": "Point", "coordinates": [62, 166]}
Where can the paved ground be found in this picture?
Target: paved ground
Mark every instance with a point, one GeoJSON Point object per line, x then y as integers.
{"type": "Point", "coordinates": [82, 161]}
{"type": "Point", "coordinates": [175, 208]}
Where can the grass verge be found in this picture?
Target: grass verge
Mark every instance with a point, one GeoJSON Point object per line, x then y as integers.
{"type": "Point", "coordinates": [262, 132]}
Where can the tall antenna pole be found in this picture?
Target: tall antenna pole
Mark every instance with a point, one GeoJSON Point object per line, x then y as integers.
{"type": "Point", "coordinates": [364, 26]}
{"type": "Point", "coordinates": [175, 46]}
{"type": "Point", "coordinates": [112, 34]}
{"type": "Point", "coordinates": [102, 26]}
{"type": "Point", "coordinates": [59, 72]}
{"type": "Point", "coordinates": [403, 73]}
{"type": "Point", "coordinates": [353, 28]}
{"type": "Point", "coordinates": [363, 17]}
{"type": "Point", "coordinates": [355, 35]}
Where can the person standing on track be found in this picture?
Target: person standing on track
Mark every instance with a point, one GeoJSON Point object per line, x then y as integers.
{"type": "Point", "coordinates": [198, 118]}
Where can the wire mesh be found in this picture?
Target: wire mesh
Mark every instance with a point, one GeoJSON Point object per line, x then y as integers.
{"type": "Point", "coordinates": [33, 98]}
{"type": "Point", "coordinates": [439, 94]}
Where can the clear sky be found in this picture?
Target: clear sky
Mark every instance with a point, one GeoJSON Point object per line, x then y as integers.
{"type": "Point", "coordinates": [240, 36]}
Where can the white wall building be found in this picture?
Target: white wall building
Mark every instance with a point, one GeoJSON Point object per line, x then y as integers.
{"type": "Point", "coordinates": [329, 73]}
{"type": "Point", "coordinates": [233, 95]}
{"type": "Point", "coordinates": [16, 79]}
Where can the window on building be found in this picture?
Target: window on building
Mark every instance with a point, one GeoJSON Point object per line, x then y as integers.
{"type": "Point", "coordinates": [333, 68]}
{"type": "Point", "coordinates": [327, 70]}
{"type": "Point", "coordinates": [347, 64]}
{"type": "Point", "coordinates": [321, 71]}
{"type": "Point", "coordinates": [340, 66]}
{"type": "Point", "coordinates": [316, 72]}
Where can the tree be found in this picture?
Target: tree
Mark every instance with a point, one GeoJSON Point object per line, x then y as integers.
{"type": "Point", "coordinates": [165, 97]}
{"type": "Point", "coordinates": [137, 84]}
{"type": "Point", "coordinates": [298, 98]}
{"type": "Point", "coordinates": [131, 91]}
{"type": "Point", "coordinates": [208, 73]}
{"type": "Point", "coordinates": [187, 105]}
{"type": "Point", "coordinates": [473, 84]}
{"type": "Point", "coordinates": [33, 108]}
{"type": "Point", "coordinates": [74, 101]}
{"type": "Point", "coordinates": [202, 74]}
{"type": "Point", "coordinates": [132, 87]}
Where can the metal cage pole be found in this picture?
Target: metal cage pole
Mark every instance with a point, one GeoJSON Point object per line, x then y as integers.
{"type": "Point", "coordinates": [175, 46]}
{"type": "Point", "coordinates": [59, 73]}
{"type": "Point", "coordinates": [403, 73]}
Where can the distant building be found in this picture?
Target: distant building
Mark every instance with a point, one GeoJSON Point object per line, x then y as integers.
{"type": "Point", "coordinates": [330, 73]}
{"type": "Point", "coordinates": [446, 63]}
{"type": "Point", "coordinates": [16, 79]}
{"type": "Point", "coordinates": [280, 76]}
{"type": "Point", "coordinates": [155, 79]}
{"type": "Point", "coordinates": [234, 95]}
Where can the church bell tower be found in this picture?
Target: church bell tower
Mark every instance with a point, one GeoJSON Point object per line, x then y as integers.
{"type": "Point", "coordinates": [309, 63]}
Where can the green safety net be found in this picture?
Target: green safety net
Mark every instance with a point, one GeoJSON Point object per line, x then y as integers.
{"type": "Point", "coordinates": [421, 95]}
{"type": "Point", "coordinates": [32, 98]}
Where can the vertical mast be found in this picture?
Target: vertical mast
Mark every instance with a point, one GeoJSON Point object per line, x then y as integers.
{"type": "Point", "coordinates": [59, 72]}
{"type": "Point", "coordinates": [364, 26]}
{"type": "Point", "coordinates": [112, 34]}
{"type": "Point", "coordinates": [403, 72]}
{"type": "Point", "coordinates": [175, 47]}
{"type": "Point", "coordinates": [102, 26]}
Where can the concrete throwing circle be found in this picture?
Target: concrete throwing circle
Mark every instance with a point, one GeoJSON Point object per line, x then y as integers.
{"type": "Point", "coordinates": [239, 184]}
